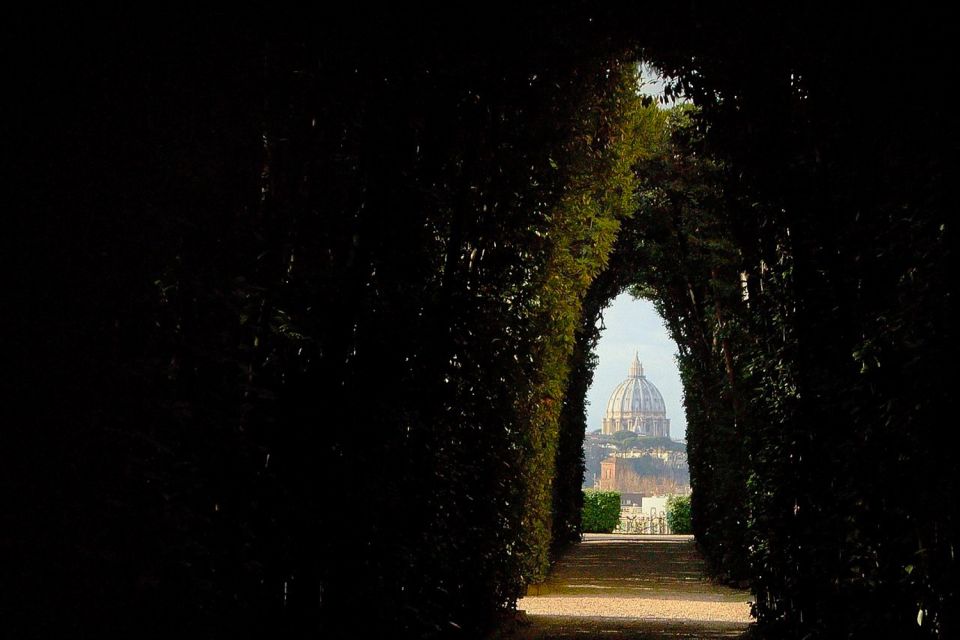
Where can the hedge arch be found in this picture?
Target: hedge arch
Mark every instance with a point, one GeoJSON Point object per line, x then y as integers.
{"type": "Point", "coordinates": [304, 307]}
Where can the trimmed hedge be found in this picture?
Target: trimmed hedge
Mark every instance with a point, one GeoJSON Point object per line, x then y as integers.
{"type": "Point", "coordinates": [601, 511]}
{"type": "Point", "coordinates": [318, 228]}
{"type": "Point", "coordinates": [678, 514]}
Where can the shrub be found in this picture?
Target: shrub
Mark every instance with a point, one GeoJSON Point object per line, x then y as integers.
{"type": "Point", "coordinates": [601, 511]}
{"type": "Point", "coordinates": [678, 514]}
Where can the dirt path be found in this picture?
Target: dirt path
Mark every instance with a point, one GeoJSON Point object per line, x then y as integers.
{"type": "Point", "coordinates": [632, 587]}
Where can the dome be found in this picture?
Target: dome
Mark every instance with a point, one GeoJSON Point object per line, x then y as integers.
{"type": "Point", "coordinates": [636, 405]}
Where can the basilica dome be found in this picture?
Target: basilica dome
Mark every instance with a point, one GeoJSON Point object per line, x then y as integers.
{"type": "Point", "coordinates": [636, 405]}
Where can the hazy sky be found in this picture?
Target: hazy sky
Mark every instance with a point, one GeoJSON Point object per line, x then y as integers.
{"type": "Point", "coordinates": [635, 325]}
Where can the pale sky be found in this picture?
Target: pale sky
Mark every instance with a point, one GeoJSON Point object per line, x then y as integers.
{"type": "Point", "coordinates": [652, 84]}
{"type": "Point", "coordinates": [634, 325]}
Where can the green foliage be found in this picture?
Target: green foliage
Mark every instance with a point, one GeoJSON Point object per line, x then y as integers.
{"type": "Point", "coordinates": [601, 511]}
{"type": "Point", "coordinates": [627, 440]}
{"type": "Point", "coordinates": [785, 401]}
{"type": "Point", "coordinates": [809, 340]}
{"type": "Point", "coordinates": [611, 131]}
{"type": "Point", "coordinates": [679, 250]}
{"type": "Point", "coordinates": [678, 514]}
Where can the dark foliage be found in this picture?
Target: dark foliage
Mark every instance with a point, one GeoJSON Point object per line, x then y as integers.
{"type": "Point", "coordinates": [303, 310]}
{"type": "Point", "coordinates": [836, 361]}
{"type": "Point", "coordinates": [304, 295]}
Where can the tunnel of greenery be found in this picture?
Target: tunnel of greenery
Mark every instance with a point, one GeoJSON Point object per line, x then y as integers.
{"type": "Point", "coordinates": [313, 303]}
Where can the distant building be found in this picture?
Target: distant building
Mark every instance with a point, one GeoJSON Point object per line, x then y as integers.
{"type": "Point", "coordinates": [613, 473]}
{"type": "Point", "coordinates": [636, 405]}
{"type": "Point", "coordinates": [620, 473]}
{"type": "Point", "coordinates": [646, 464]}
{"type": "Point", "coordinates": [649, 515]}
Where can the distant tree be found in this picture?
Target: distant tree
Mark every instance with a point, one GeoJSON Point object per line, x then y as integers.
{"type": "Point", "coordinates": [660, 442]}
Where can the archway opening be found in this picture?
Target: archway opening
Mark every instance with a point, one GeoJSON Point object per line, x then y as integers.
{"type": "Point", "coordinates": [635, 443]}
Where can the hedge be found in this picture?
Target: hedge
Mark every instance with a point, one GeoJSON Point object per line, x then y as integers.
{"type": "Point", "coordinates": [678, 514]}
{"type": "Point", "coordinates": [601, 511]}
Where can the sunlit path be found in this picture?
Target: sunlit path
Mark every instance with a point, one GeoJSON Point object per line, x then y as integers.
{"type": "Point", "coordinates": [633, 587]}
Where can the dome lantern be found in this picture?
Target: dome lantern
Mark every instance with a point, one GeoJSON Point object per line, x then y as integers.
{"type": "Point", "coordinates": [636, 369]}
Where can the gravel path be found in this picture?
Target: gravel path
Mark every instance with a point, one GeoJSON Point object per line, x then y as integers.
{"type": "Point", "coordinates": [626, 586]}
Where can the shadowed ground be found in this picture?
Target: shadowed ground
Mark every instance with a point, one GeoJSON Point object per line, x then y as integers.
{"type": "Point", "coordinates": [632, 587]}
